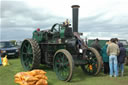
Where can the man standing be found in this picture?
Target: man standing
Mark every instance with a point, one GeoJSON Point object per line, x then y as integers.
{"type": "Point", "coordinates": [96, 45]}
{"type": "Point", "coordinates": [113, 51]}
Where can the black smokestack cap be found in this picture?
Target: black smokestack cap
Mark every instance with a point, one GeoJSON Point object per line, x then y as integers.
{"type": "Point", "coordinates": [75, 9]}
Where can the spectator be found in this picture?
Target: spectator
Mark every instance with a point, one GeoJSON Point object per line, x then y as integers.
{"type": "Point", "coordinates": [113, 52]}
{"type": "Point", "coordinates": [105, 58]}
{"type": "Point", "coordinates": [116, 40]}
{"type": "Point", "coordinates": [96, 45]}
{"type": "Point", "coordinates": [121, 58]}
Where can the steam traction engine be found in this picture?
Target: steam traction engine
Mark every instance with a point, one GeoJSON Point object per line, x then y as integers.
{"type": "Point", "coordinates": [62, 48]}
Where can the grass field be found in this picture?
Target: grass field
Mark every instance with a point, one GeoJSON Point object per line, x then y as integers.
{"type": "Point", "coordinates": [79, 78]}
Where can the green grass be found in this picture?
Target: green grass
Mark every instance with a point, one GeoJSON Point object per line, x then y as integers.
{"type": "Point", "coordinates": [79, 78]}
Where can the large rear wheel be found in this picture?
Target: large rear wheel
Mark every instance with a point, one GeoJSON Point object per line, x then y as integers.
{"type": "Point", "coordinates": [63, 65]}
{"type": "Point", "coordinates": [93, 65]}
{"type": "Point", "coordinates": [30, 54]}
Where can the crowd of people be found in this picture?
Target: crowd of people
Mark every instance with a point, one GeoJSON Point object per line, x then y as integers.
{"type": "Point", "coordinates": [113, 55]}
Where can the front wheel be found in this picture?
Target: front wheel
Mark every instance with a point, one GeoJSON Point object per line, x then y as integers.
{"type": "Point", "coordinates": [93, 65]}
{"type": "Point", "coordinates": [63, 65]}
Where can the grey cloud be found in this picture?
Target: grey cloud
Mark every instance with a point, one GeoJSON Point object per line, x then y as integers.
{"type": "Point", "coordinates": [18, 20]}
{"type": "Point", "coordinates": [97, 23]}
{"type": "Point", "coordinates": [96, 26]}
{"type": "Point", "coordinates": [17, 16]}
{"type": "Point", "coordinates": [102, 26]}
{"type": "Point", "coordinates": [30, 17]}
{"type": "Point", "coordinates": [15, 34]}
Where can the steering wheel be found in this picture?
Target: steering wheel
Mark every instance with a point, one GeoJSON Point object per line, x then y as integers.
{"type": "Point", "coordinates": [54, 30]}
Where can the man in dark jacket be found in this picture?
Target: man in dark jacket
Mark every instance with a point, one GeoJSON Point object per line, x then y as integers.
{"type": "Point", "coordinates": [96, 45]}
{"type": "Point", "coordinates": [121, 58]}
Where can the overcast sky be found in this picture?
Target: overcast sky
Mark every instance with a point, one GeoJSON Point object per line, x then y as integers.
{"type": "Point", "coordinates": [97, 18]}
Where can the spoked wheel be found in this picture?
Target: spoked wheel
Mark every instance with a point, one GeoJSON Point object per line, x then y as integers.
{"type": "Point", "coordinates": [30, 54]}
{"type": "Point", "coordinates": [93, 65]}
{"type": "Point", "coordinates": [63, 65]}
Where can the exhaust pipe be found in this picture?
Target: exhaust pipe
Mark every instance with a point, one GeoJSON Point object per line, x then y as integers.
{"type": "Point", "coordinates": [75, 9]}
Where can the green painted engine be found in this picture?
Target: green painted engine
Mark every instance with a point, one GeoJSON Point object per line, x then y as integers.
{"type": "Point", "coordinates": [57, 33]}
{"type": "Point", "coordinates": [61, 48]}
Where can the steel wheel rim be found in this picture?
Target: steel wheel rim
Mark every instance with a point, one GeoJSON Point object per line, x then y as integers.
{"type": "Point", "coordinates": [26, 55]}
{"type": "Point", "coordinates": [61, 66]}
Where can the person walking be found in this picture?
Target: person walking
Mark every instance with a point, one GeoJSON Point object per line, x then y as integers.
{"type": "Point", "coordinates": [113, 51]}
{"type": "Point", "coordinates": [121, 58]}
{"type": "Point", "coordinates": [105, 58]}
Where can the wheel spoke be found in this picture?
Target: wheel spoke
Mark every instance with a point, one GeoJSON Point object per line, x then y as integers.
{"type": "Point", "coordinates": [58, 59]}
{"type": "Point", "coordinates": [26, 60]}
{"type": "Point", "coordinates": [62, 57]}
{"type": "Point", "coordinates": [29, 48]}
{"type": "Point", "coordinates": [25, 48]}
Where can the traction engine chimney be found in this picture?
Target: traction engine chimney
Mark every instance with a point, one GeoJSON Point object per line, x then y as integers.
{"type": "Point", "coordinates": [75, 9]}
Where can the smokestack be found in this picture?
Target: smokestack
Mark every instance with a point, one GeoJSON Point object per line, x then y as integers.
{"type": "Point", "coordinates": [75, 9]}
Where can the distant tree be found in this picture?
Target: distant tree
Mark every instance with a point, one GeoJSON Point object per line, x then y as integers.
{"type": "Point", "coordinates": [13, 42]}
